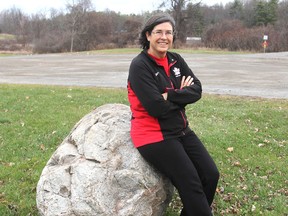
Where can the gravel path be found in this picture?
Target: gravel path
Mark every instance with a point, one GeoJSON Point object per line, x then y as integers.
{"type": "Point", "coordinates": [260, 75]}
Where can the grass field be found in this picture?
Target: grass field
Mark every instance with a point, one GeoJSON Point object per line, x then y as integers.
{"type": "Point", "coordinates": [246, 136]}
{"type": "Point", "coordinates": [7, 37]}
{"type": "Point", "coordinates": [195, 50]}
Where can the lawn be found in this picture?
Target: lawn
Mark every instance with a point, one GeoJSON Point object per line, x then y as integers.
{"type": "Point", "coordinates": [7, 37]}
{"type": "Point", "coordinates": [246, 136]}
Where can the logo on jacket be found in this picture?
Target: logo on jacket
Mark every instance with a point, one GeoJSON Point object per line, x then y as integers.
{"type": "Point", "coordinates": [177, 72]}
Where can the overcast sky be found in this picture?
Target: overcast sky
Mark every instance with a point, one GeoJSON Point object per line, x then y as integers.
{"type": "Point", "coordinates": [122, 6]}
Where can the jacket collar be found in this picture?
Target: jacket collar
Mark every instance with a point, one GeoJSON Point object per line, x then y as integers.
{"type": "Point", "coordinates": [170, 56]}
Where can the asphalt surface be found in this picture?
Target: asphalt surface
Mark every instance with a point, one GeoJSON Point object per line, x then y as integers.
{"type": "Point", "coordinates": [260, 75]}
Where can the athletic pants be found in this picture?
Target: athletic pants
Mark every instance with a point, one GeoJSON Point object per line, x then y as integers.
{"type": "Point", "coordinates": [188, 165]}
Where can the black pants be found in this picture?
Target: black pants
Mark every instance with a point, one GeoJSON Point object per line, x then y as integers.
{"type": "Point", "coordinates": [188, 165]}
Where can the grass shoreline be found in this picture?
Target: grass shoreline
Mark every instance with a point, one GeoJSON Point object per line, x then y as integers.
{"type": "Point", "coordinates": [247, 137]}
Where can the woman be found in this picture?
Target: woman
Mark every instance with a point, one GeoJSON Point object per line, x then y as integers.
{"type": "Point", "coordinates": [160, 85]}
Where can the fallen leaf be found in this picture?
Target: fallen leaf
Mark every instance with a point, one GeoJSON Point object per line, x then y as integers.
{"type": "Point", "coordinates": [255, 197]}
{"type": "Point", "coordinates": [244, 187]}
{"type": "Point", "coordinates": [263, 177]}
{"type": "Point", "coordinates": [237, 163]}
{"type": "Point", "coordinates": [230, 149]}
{"type": "Point", "coordinates": [220, 189]}
{"type": "Point", "coordinates": [10, 164]}
{"type": "Point", "coordinates": [42, 147]}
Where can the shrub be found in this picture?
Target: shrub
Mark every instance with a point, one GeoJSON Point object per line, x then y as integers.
{"type": "Point", "coordinates": [233, 35]}
{"type": "Point", "coordinates": [51, 44]}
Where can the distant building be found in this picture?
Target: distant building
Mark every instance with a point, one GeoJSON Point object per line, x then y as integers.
{"type": "Point", "coordinates": [193, 40]}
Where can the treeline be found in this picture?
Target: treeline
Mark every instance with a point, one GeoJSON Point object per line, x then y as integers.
{"type": "Point", "coordinates": [238, 25]}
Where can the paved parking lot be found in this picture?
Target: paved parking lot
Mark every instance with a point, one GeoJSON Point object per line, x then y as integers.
{"type": "Point", "coordinates": [264, 74]}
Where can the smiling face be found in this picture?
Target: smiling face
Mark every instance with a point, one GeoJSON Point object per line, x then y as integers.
{"type": "Point", "coordinates": [161, 39]}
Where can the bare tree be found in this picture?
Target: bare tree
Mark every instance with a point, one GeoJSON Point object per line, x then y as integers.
{"type": "Point", "coordinates": [15, 22]}
{"type": "Point", "coordinates": [77, 13]}
{"type": "Point", "coordinates": [80, 28]}
{"type": "Point", "coordinates": [38, 25]}
{"type": "Point", "coordinates": [181, 14]}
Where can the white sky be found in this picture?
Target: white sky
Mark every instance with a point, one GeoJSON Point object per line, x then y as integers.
{"type": "Point", "coordinates": [122, 6]}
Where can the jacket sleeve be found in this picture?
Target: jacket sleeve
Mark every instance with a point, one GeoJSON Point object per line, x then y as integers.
{"type": "Point", "coordinates": [188, 94]}
{"type": "Point", "coordinates": [145, 87]}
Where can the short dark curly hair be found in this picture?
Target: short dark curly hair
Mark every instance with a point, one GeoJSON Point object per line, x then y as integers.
{"type": "Point", "coordinates": [150, 24]}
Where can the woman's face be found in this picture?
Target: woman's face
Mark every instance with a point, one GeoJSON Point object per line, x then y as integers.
{"type": "Point", "coordinates": [161, 39]}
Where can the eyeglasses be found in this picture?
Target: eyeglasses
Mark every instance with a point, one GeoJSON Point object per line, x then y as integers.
{"type": "Point", "coordinates": [159, 33]}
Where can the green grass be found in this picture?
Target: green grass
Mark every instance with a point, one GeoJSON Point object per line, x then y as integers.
{"type": "Point", "coordinates": [115, 51]}
{"type": "Point", "coordinates": [35, 119]}
{"type": "Point", "coordinates": [7, 37]}
{"type": "Point", "coordinates": [203, 50]}
{"type": "Point", "coordinates": [199, 50]}
{"type": "Point", "coordinates": [135, 51]}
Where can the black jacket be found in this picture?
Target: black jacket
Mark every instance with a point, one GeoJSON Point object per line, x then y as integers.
{"type": "Point", "coordinates": [153, 118]}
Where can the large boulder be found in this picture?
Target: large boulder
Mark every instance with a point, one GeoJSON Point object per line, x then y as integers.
{"type": "Point", "coordinates": [97, 171]}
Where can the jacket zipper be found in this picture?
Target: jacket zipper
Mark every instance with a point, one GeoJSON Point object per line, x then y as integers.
{"type": "Point", "coordinates": [172, 86]}
{"type": "Point", "coordinates": [185, 122]}
{"type": "Point", "coordinates": [181, 112]}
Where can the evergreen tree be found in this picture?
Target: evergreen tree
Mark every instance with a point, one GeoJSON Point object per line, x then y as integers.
{"type": "Point", "coordinates": [272, 8]}
{"type": "Point", "coordinates": [261, 14]}
{"type": "Point", "coordinates": [266, 12]}
{"type": "Point", "coordinates": [236, 10]}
